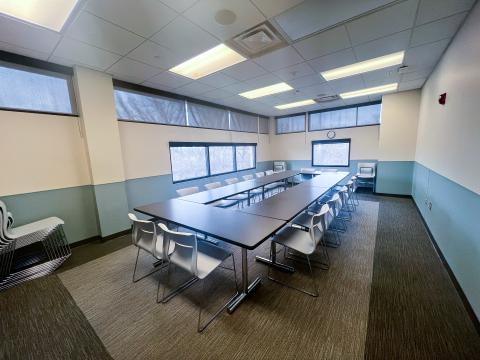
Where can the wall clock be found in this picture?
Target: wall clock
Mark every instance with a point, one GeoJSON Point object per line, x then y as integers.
{"type": "Point", "coordinates": [331, 134]}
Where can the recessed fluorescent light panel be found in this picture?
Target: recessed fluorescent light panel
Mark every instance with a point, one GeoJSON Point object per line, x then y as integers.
{"type": "Point", "coordinates": [51, 15]}
{"type": "Point", "coordinates": [295, 104]}
{"type": "Point", "coordinates": [370, 91]}
{"type": "Point", "coordinates": [364, 66]}
{"type": "Point", "coordinates": [267, 90]}
{"type": "Point", "coordinates": [208, 62]}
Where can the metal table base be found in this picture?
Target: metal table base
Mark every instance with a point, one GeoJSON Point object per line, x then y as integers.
{"type": "Point", "coordinates": [272, 261]}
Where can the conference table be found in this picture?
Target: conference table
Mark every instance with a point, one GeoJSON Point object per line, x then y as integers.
{"type": "Point", "coordinates": [247, 228]}
{"type": "Point", "coordinates": [212, 195]}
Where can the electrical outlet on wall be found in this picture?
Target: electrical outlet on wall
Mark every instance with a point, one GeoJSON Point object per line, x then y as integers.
{"type": "Point", "coordinates": [429, 206]}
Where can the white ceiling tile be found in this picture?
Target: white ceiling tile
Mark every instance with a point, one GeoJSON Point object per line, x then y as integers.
{"type": "Point", "coordinates": [27, 36]}
{"type": "Point", "coordinates": [134, 69]}
{"type": "Point", "coordinates": [381, 77]}
{"type": "Point", "coordinates": [244, 70]}
{"type": "Point", "coordinates": [271, 8]}
{"type": "Point", "coordinates": [316, 90]}
{"type": "Point", "coordinates": [289, 96]}
{"type": "Point", "coordinates": [203, 14]}
{"type": "Point", "coordinates": [315, 15]}
{"type": "Point", "coordinates": [84, 54]}
{"type": "Point", "coordinates": [237, 88]}
{"type": "Point", "coordinates": [264, 80]}
{"type": "Point", "coordinates": [324, 43]}
{"type": "Point", "coordinates": [143, 17]}
{"type": "Point", "coordinates": [279, 59]}
{"type": "Point", "coordinates": [375, 97]}
{"type": "Point", "coordinates": [304, 81]}
{"type": "Point", "coordinates": [383, 46]}
{"type": "Point", "coordinates": [417, 73]}
{"type": "Point", "coordinates": [195, 88]}
{"type": "Point", "coordinates": [185, 38]}
{"type": "Point", "coordinates": [382, 23]}
{"type": "Point", "coordinates": [425, 55]}
{"type": "Point", "coordinates": [295, 71]}
{"type": "Point", "coordinates": [98, 32]}
{"type": "Point", "coordinates": [179, 5]}
{"type": "Point", "coordinates": [24, 51]}
{"type": "Point", "coordinates": [327, 105]}
{"type": "Point", "coordinates": [430, 10]}
{"type": "Point", "coordinates": [437, 30]}
{"type": "Point", "coordinates": [218, 80]}
{"type": "Point", "coordinates": [332, 61]}
{"type": "Point", "coordinates": [411, 85]}
{"type": "Point", "coordinates": [351, 83]}
{"type": "Point", "coordinates": [170, 80]}
{"type": "Point", "coordinates": [357, 100]}
{"type": "Point", "coordinates": [218, 94]}
{"type": "Point", "coordinates": [155, 55]}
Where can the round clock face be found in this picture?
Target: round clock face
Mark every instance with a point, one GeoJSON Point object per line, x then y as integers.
{"type": "Point", "coordinates": [331, 134]}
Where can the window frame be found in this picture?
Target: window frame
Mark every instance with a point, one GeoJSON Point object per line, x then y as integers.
{"type": "Point", "coordinates": [40, 67]}
{"type": "Point", "coordinates": [207, 152]}
{"type": "Point", "coordinates": [332, 141]}
{"type": "Point", "coordinates": [379, 102]}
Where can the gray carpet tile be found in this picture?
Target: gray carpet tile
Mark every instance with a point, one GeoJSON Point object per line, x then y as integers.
{"type": "Point", "coordinates": [415, 311]}
{"type": "Point", "coordinates": [40, 320]}
{"type": "Point", "coordinates": [275, 322]}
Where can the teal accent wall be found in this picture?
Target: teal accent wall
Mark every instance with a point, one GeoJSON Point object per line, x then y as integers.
{"type": "Point", "coordinates": [454, 221]}
{"type": "Point", "coordinates": [75, 205]}
{"type": "Point", "coordinates": [395, 177]}
{"type": "Point", "coordinates": [112, 208]}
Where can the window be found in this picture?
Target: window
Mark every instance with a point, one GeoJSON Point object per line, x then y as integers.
{"type": "Point", "coordinates": [206, 116]}
{"type": "Point", "coordinates": [29, 89]}
{"type": "Point", "coordinates": [149, 108]}
{"type": "Point", "coordinates": [221, 159]}
{"type": "Point", "coordinates": [345, 117]}
{"type": "Point", "coordinates": [331, 153]}
{"type": "Point", "coordinates": [369, 115]}
{"type": "Point", "coordinates": [243, 122]}
{"type": "Point", "coordinates": [188, 162]}
{"type": "Point", "coordinates": [245, 156]}
{"type": "Point", "coordinates": [198, 160]}
{"type": "Point", "coordinates": [263, 125]}
{"type": "Point", "coordinates": [290, 124]}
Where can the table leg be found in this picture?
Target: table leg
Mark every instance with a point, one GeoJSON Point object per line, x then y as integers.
{"type": "Point", "coordinates": [263, 192]}
{"type": "Point", "coordinates": [248, 197]}
{"type": "Point", "coordinates": [273, 260]}
{"type": "Point", "coordinates": [246, 288]}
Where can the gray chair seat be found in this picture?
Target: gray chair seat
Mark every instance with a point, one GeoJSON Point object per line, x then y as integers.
{"type": "Point", "coordinates": [209, 257]}
{"type": "Point", "coordinates": [224, 203]}
{"type": "Point", "coordinates": [304, 219]}
{"type": "Point", "coordinates": [295, 239]}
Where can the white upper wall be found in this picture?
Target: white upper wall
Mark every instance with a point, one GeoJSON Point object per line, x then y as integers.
{"type": "Point", "coordinates": [298, 146]}
{"type": "Point", "coordinates": [146, 152]}
{"type": "Point", "coordinates": [398, 132]}
{"type": "Point", "coordinates": [41, 152]}
{"type": "Point", "coordinates": [449, 136]}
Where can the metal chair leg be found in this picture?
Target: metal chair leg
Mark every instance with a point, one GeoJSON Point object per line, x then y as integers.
{"type": "Point", "coordinates": [157, 268]}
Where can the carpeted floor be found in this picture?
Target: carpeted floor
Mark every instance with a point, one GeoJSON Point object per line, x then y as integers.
{"type": "Point", "coordinates": [39, 320]}
{"type": "Point", "coordinates": [415, 311]}
{"type": "Point", "coordinates": [275, 322]}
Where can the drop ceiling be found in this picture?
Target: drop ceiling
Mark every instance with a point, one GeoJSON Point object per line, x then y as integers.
{"type": "Point", "coordinates": [138, 41]}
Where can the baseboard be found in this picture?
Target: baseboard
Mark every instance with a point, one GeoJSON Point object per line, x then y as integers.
{"type": "Point", "coordinates": [99, 238]}
{"type": "Point", "coordinates": [466, 303]}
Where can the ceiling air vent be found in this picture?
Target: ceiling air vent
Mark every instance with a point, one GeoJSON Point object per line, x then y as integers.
{"type": "Point", "coordinates": [322, 98]}
{"type": "Point", "coordinates": [258, 41]}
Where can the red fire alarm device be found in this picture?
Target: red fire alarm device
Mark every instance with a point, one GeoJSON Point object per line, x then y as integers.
{"type": "Point", "coordinates": [442, 99]}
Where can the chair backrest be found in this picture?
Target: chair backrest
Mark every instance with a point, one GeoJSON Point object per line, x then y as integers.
{"type": "Point", "coordinates": [269, 172]}
{"type": "Point", "coordinates": [230, 181]}
{"type": "Point", "coordinates": [187, 191]}
{"type": "Point", "coordinates": [318, 225]}
{"type": "Point", "coordinates": [336, 204]}
{"type": "Point", "coordinates": [260, 174]}
{"type": "Point", "coordinates": [4, 221]}
{"type": "Point", "coordinates": [307, 170]}
{"type": "Point", "coordinates": [213, 185]}
{"type": "Point", "coordinates": [247, 177]}
{"type": "Point", "coordinates": [145, 232]}
{"type": "Point", "coordinates": [366, 169]}
{"type": "Point", "coordinates": [186, 248]}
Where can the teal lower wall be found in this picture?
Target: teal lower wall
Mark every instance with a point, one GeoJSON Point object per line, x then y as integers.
{"type": "Point", "coordinates": [395, 177]}
{"type": "Point", "coordinates": [112, 208]}
{"type": "Point", "coordinates": [454, 221]}
{"type": "Point", "coordinates": [75, 205]}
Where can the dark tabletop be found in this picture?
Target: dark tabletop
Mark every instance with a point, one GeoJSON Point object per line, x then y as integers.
{"type": "Point", "coordinates": [328, 179]}
{"type": "Point", "coordinates": [232, 226]}
{"type": "Point", "coordinates": [209, 196]}
{"type": "Point", "coordinates": [287, 204]}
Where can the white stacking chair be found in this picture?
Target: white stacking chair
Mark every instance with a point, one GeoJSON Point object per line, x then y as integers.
{"type": "Point", "coordinates": [220, 203]}
{"type": "Point", "coordinates": [275, 185]}
{"type": "Point", "coordinates": [254, 192]}
{"type": "Point", "coordinates": [366, 174]}
{"type": "Point", "coordinates": [260, 174]}
{"type": "Point", "coordinates": [199, 259]}
{"type": "Point", "coordinates": [239, 197]}
{"type": "Point", "coordinates": [146, 237]}
{"type": "Point", "coordinates": [305, 243]}
{"type": "Point", "coordinates": [354, 190]}
{"type": "Point", "coordinates": [187, 191]}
